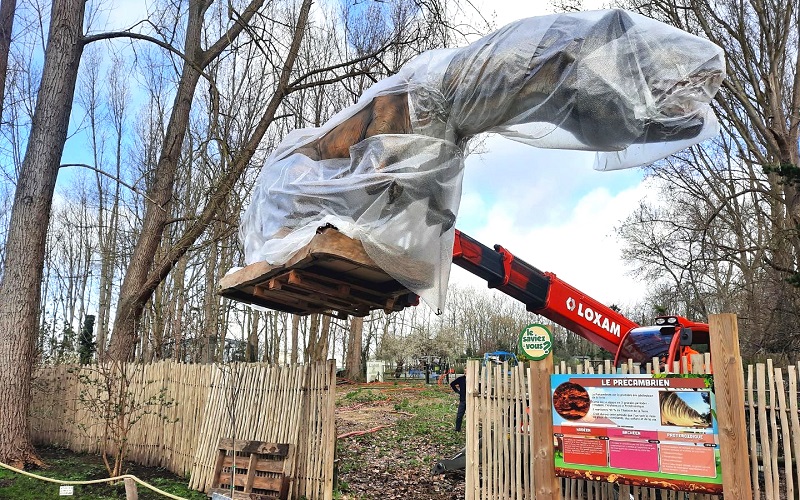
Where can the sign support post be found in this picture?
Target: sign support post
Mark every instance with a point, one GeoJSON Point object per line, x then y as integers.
{"type": "Point", "coordinates": [729, 381]}
{"type": "Point", "coordinates": [546, 486]}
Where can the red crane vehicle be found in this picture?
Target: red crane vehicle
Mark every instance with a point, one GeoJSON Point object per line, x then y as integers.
{"type": "Point", "coordinates": [543, 293]}
{"type": "Point", "coordinates": [333, 273]}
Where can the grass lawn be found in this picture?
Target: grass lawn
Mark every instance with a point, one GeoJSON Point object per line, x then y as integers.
{"type": "Point", "coordinates": [69, 466]}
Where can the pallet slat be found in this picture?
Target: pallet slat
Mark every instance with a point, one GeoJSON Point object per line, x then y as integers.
{"type": "Point", "coordinates": [254, 459]}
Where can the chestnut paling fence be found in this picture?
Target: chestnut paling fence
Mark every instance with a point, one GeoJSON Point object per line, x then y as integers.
{"type": "Point", "coordinates": [183, 410]}
{"type": "Point", "coordinates": [296, 405]}
{"type": "Point", "coordinates": [499, 442]}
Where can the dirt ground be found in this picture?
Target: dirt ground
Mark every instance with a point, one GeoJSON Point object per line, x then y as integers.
{"type": "Point", "coordinates": [406, 429]}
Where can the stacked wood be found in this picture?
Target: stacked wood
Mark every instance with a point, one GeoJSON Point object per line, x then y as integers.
{"type": "Point", "coordinates": [252, 470]}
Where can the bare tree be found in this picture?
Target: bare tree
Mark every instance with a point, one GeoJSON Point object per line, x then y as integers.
{"type": "Point", "coordinates": [735, 206]}
{"type": "Point", "coordinates": [21, 282]}
{"type": "Point", "coordinates": [141, 279]}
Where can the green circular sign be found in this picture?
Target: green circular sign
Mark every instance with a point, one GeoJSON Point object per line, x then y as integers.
{"type": "Point", "coordinates": [535, 342]}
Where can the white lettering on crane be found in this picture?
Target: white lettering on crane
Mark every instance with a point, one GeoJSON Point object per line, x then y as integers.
{"type": "Point", "coordinates": [594, 317]}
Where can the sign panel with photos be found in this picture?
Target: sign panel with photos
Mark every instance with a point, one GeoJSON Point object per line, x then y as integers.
{"type": "Point", "coordinates": [656, 431]}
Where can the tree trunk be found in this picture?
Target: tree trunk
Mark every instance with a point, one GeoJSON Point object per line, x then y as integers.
{"type": "Point", "coordinates": [311, 339]}
{"type": "Point", "coordinates": [295, 337]}
{"type": "Point", "coordinates": [179, 277]}
{"type": "Point", "coordinates": [317, 349]}
{"type": "Point", "coordinates": [20, 288]}
{"type": "Point", "coordinates": [107, 238]}
{"type": "Point", "coordinates": [278, 335]}
{"type": "Point", "coordinates": [7, 9]}
{"type": "Point", "coordinates": [353, 370]}
{"type": "Point", "coordinates": [252, 337]}
{"type": "Point", "coordinates": [211, 303]}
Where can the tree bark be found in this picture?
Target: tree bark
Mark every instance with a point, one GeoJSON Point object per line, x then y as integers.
{"type": "Point", "coordinates": [20, 288]}
{"type": "Point", "coordinates": [317, 349]}
{"type": "Point", "coordinates": [251, 353]}
{"type": "Point", "coordinates": [353, 370]}
{"type": "Point", "coordinates": [178, 352]}
{"type": "Point", "coordinates": [7, 10]}
{"type": "Point", "coordinates": [295, 338]}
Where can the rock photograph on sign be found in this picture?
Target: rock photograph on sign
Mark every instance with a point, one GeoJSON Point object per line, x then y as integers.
{"type": "Point", "coordinates": [571, 401]}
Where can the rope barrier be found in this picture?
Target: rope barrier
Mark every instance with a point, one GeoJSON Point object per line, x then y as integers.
{"type": "Point", "coordinates": [93, 481]}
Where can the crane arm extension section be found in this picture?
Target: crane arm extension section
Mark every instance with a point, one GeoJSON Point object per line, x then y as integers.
{"type": "Point", "coordinates": [502, 270]}
{"type": "Point", "coordinates": [542, 293]}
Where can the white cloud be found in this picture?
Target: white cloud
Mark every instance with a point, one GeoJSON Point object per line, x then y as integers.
{"type": "Point", "coordinates": [579, 245]}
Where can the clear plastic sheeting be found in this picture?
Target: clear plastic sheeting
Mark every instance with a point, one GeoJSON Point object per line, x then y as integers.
{"type": "Point", "coordinates": [630, 88]}
{"type": "Point", "coordinates": [398, 195]}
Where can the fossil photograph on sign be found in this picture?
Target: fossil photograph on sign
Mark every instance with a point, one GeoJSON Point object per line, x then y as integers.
{"type": "Point", "coordinates": [685, 408]}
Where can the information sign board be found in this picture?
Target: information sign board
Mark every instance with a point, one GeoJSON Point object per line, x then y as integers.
{"type": "Point", "coordinates": [646, 430]}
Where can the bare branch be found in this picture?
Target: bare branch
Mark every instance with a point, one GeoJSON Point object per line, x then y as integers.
{"type": "Point", "coordinates": [111, 176]}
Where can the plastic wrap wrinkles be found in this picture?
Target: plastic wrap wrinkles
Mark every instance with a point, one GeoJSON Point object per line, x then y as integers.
{"type": "Point", "coordinates": [632, 89]}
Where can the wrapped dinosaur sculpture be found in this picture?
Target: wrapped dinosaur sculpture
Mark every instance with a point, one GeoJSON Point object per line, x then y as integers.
{"type": "Point", "coordinates": [388, 170]}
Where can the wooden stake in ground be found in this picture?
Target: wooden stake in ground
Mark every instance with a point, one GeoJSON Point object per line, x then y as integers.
{"type": "Point", "coordinates": [131, 493]}
{"type": "Point", "coordinates": [729, 389]}
{"type": "Point", "coordinates": [546, 485]}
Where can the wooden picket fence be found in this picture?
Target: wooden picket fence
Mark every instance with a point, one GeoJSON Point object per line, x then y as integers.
{"type": "Point", "coordinates": [296, 405]}
{"type": "Point", "coordinates": [499, 440]}
{"type": "Point", "coordinates": [186, 409]}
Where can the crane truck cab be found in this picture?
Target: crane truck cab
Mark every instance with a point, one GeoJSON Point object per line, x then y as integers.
{"type": "Point", "coordinates": [670, 338]}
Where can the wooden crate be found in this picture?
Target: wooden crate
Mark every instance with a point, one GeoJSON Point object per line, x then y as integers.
{"type": "Point", "coordinates": [262, 470]}
{"type": "Point", "coordinates": [333, 273]}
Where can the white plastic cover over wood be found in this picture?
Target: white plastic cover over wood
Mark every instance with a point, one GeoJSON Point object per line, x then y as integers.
{"type": "Point", "coordinates": [631, 88]}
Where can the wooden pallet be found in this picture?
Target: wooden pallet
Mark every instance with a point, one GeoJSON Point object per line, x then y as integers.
{"type": "Point", "coordinates": [333, 274]}
{"type": "Point", "coordinates": [263, 470]}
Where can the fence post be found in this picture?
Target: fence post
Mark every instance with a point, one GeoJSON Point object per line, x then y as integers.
{"type": "Point", "coordinates": [546, 486]}
{"type": "Point", "coordinates": [131, 493]}
{"type": "Point", "coordinates": [729, 390]}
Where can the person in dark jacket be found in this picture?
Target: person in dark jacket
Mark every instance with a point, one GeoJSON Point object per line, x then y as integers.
{"type": "Point", "coordinates": [459, 386]}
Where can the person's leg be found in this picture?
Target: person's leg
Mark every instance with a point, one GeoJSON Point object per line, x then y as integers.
{"type": "Point", "coordinates": [462, 408]}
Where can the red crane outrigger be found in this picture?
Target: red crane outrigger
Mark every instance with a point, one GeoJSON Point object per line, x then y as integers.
{"type": "Point", "coordinates": [543, 293]}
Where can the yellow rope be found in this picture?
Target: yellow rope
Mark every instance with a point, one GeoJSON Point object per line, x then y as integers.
{"type": "Point", "coordinates": [94, 481]}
